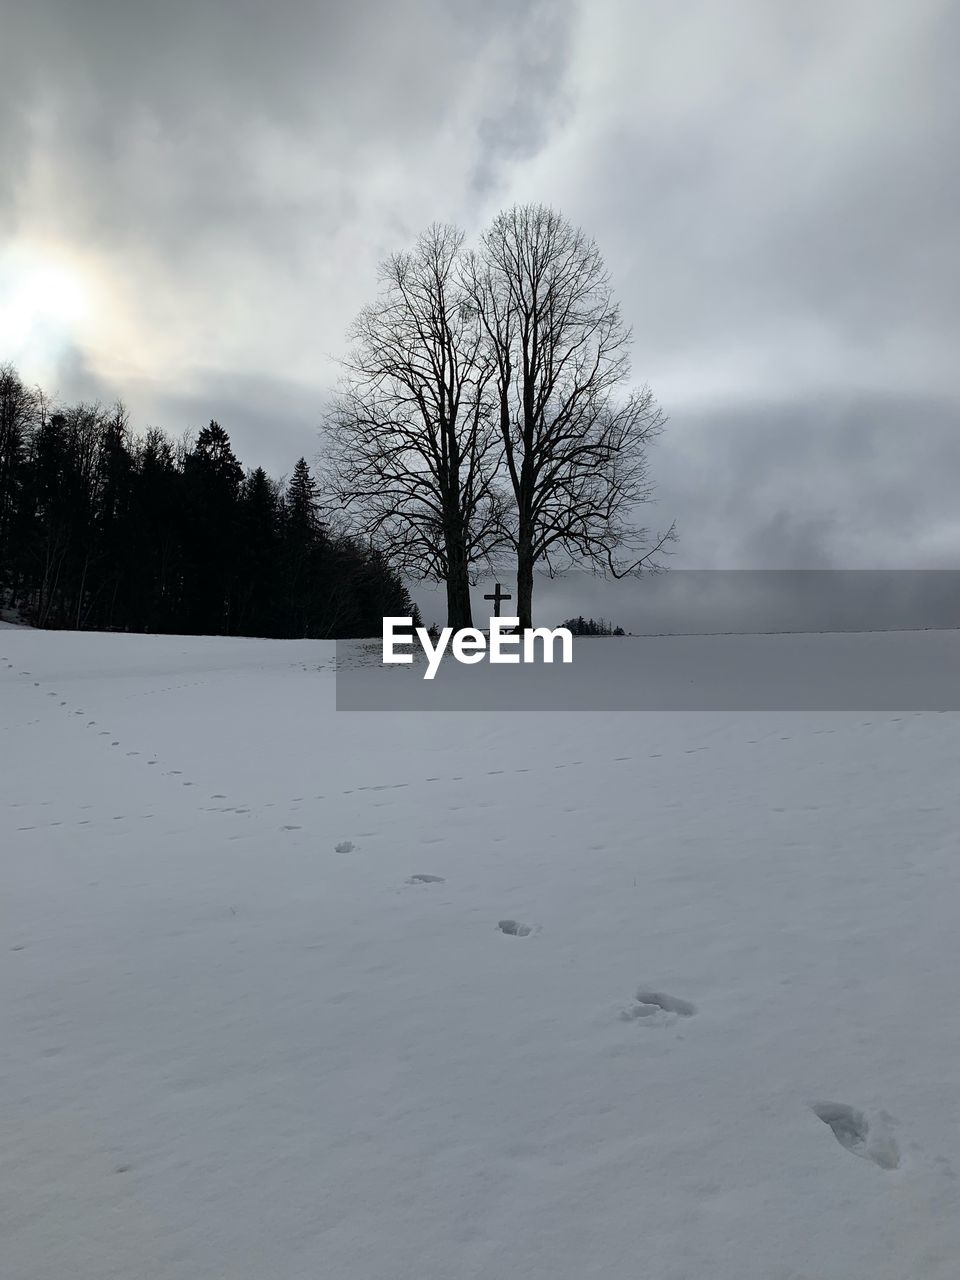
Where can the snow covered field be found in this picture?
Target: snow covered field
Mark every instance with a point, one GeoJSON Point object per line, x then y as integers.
{"type": "Point", "coordinates": [296, 993]}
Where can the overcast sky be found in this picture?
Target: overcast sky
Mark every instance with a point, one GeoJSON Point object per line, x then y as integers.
{"type": "Point", "coordinates": [194, 196]}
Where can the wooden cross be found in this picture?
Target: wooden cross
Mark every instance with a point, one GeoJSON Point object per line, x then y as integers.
{"type": "Point", "coordinates": [496, 597]}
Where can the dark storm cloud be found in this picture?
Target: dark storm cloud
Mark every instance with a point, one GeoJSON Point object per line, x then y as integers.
{"type": "Point", "coordinates": [773, 186]}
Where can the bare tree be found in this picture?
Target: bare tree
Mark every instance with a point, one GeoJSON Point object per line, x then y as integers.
{"type": "Point", "coordinates": [574, 447]}
{"type": "Point", "coordinates": [415, 445]}
{"type": "Point", "coordinates": [20, 411]}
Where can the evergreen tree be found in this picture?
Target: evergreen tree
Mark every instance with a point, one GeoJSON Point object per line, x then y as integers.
{"type": "Point", "coordinates": [259, 552]}
{"type": "Point", "coordinates": [19, 413]}
{"type": "Point", "coordinates": [99, 529]}
{"type": "Point", "coordinates": [213, 477]}
{"type": "Point", "coordinates": [303, 553]}
{"type": "Point", "coordinates": [158, 507]}
{"type": "Point", "coordinates": [581, 626]}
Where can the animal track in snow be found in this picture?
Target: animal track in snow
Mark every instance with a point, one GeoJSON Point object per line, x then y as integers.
{"type": "Point", "coordinates": [424, 879]}
{"type": "Point", "coordinates": [516, 929]}
{"type": "Point", "coordinates": [656, 1004]}
{"type": "Point", "coordinates": [853, 1131]}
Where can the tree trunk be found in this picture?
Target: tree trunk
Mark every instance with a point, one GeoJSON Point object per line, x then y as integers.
{"type": "Point", "coordinates": [459, 610]}
{"type": "Point", "coordinates": [525, 583]}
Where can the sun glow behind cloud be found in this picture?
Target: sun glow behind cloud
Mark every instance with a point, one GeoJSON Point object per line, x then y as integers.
{"type": "Point", "coordinates": [46, 305]}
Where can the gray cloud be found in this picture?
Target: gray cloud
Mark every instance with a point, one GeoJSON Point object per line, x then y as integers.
{"type": "Point", "coordinates": [838, 479]}
{"type": "Point", "coordinates": [772, 184]}
{"type": "Point", "coordinates": [177, 123]}
{"type": "Point", "coordinates": [773, 188]}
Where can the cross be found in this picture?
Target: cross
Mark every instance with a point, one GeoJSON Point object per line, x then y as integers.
{"type": "Point", "coordinates": [496, 597]}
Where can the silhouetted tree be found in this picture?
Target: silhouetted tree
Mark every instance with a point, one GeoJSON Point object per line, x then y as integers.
{"type": "Point", "coordinates": [100, 529]}
{"type": "Point", "coordinates": [158, 506]}
{"type": "Point", "coordinates": [414, 446]}
{"type": "Point", "coordinates": [213, 477]}
{"type": "Point", "coordinates": [259, 554]}
{"type": "Point", "coordinates": [581, 626]}
{"type": "Point", "coordinates": [304, 560]}
{"type": "Point", "coordinates": [574, 448]}
{"type": "Point", "coordinates": [20, 409]}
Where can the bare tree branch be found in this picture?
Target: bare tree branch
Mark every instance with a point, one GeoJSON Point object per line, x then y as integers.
{"type": "Point", "coordinates": [574, 449]}
{"type": "Point", "coordinates": [415, 444]}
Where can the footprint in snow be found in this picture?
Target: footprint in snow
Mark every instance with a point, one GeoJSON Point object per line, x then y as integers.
{"type": "Point", "coordinates": [657, 1006]}
{"type": "Point", "coordinates": [516, 928]}
{"type": "Point", "coordinates": [423, 879]}
{"type": "Point", "coordinates": [853, 1131]}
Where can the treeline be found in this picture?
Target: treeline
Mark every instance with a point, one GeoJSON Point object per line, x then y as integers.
{"type": "Point", "coordinates": [582, 626]}
{"type": "Point", "coordinates": [102, 529]}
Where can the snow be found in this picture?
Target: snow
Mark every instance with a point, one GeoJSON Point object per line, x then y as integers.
{"type": "Point", "coordinates": [662, 994]}
{"type": "Point", "coordinates": [805, 671]}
